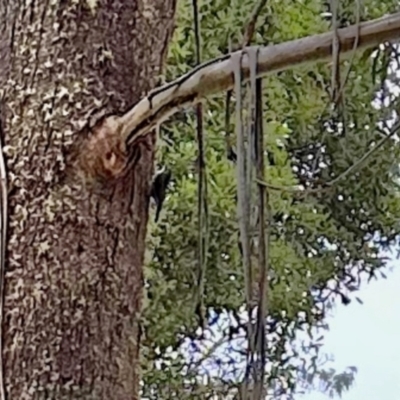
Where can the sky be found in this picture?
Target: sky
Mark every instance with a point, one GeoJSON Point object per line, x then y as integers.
{"type": "Point", "coordinates": [367, 336]}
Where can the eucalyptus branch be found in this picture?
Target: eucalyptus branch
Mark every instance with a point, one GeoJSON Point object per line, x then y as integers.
{"type": "Point", "coordinates": [116, 132]}
{"type": "Point", "coordinates": [217, 75]}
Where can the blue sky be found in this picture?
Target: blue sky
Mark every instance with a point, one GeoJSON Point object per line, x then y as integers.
{"type": "Point", "coordinates": [367, 336]}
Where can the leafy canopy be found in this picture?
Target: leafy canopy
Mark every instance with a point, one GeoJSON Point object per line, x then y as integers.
{"type": "Point", "coordinates": [321, 243]}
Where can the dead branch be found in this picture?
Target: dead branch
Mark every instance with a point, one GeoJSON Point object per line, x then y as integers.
{"type": "Point", "coordinates": [217, 75]}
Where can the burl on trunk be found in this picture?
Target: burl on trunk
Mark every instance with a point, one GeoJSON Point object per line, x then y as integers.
{"type": "Point", "coordinates": [76, 243]}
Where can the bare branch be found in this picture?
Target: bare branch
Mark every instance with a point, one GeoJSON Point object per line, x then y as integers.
{"type": "Point", "coordinates": [217, 75]}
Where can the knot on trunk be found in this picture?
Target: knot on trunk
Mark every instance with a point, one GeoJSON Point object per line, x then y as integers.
{"type": "Point", "coordinates": [104, 154]}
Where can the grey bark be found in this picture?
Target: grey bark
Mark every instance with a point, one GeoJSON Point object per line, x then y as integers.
{"type": "Point", "coordinates": [75, 252]}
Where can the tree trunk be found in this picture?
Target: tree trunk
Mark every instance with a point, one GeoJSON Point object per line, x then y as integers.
{"type": "Point", "coordinates": [75, 247]}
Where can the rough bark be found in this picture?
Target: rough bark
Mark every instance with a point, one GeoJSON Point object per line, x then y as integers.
{"type": "Point", "coordinates": [74, 259]}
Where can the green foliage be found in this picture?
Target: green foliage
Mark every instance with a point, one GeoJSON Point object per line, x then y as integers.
{"type": "Point", "coordinates": [330, 236]}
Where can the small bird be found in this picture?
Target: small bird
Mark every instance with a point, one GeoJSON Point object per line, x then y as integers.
{"type": "Point", "coordinates": [159, 188]}
{"type": "Point", "coordinates": [231, 155]}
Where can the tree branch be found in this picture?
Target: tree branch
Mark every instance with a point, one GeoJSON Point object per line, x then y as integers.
{"type": "Point", "coordinates": [217, 75]}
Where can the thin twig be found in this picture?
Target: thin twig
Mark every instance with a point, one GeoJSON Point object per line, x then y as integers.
{"type": "Point", "coordinates": [263, 246]}
{"type": "Point", "coordinates": [247, 38]}
{"type": "Point", "coordinates": [338, 94]}
{"type": "Point", "coordinates": [251, 25]}
{"type": "Point", "coordinates": [212, 350]}
{"type": "Point", "coordinates": [202, 184]}
{"type": "Point", "coordinates": [348, 171]}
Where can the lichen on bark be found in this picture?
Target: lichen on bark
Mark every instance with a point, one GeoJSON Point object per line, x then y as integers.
{"type": "Point", "coordinates": [74, 258]}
